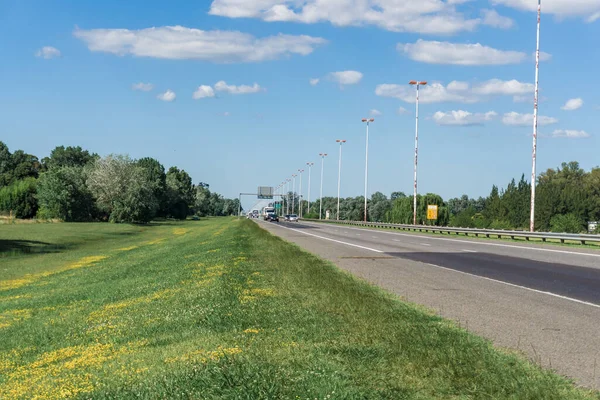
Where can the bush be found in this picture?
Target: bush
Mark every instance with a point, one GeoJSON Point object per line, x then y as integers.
{"type": "Point", "coordinates": [567, 223]}
{"type": "Point", "coordinates": [20, 198]}
{"type": "Point", "coordinates": [311, 215]}
{"type": "Point", "coordinates": [501, 224]}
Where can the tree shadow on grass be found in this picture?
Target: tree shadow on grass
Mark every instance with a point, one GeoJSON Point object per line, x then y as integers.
{"type": "Point", "coordinates": [19, 247]}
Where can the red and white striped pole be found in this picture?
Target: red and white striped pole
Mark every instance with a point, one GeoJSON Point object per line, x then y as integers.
{"type": "Point", "coordinates": [421, 83]}
{"type": "Point", "coordinates": [535, 122]}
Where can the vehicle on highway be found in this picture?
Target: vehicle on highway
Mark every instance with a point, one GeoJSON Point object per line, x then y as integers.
{"type": "Point", "coordinates": [272, 217]}
{"type": "Point", "coordinates": [266, 211]}
{"type": "Point", "coordinates": [292, 218]}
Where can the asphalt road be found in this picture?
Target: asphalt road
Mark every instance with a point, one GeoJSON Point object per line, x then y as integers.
{"type": "Point", "coordinates": [541, 300]}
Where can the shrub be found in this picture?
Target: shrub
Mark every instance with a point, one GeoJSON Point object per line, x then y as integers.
{"type": "Point", "coordinates": [19, 198]}
{"type": "Point", "coordinates": [567, 223]}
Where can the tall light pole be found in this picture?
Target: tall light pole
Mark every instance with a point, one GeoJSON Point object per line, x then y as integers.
{"type": "Point", "coordinates": [288, 180]}
{"type": "Point", "coordinates": [310, 164]}
{"type": "Point", "coordinates": [341, 142]}
{"type": "Point", "coordinates": [535, 121]}
{"type": "Point", "coordinates": [323, 155]}
{"type": "Point", "coordinates": [367, 162]}
{"type": "Point", "coordinates": [294, 192]}
{"type": "Point", "coordinates": [283, 197]}
{"type": "Point", "coordinates": [300, 173]}
{"type": "Point", "coordinates": [421, 83]}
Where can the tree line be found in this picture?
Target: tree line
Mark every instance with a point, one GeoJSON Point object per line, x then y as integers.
{"type": "Point", "coordinates": [75, 185]}
{"type": "Point", "coordinates": [567, 198]}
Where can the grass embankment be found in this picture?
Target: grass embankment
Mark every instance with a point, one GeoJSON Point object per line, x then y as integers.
{"type": "Point", "coordinates": [221, 309]}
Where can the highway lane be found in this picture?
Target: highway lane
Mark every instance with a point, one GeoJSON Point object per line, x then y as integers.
{"type": "Point", "coordinates": [543, 301]}
{"type": "Point", "coordinates": [558, 270]}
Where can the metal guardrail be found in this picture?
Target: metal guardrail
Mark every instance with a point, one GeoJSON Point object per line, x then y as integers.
{"type": "Point", "coordinates": [488, 233]}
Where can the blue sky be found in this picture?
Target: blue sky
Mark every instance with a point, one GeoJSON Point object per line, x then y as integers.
{"type": "Point", "coordinates": [224, 91]}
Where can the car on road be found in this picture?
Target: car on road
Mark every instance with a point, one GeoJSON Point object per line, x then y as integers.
{"type": "Point", "coordinates": [292, 218]}
{"type": "Point", "coordinates": [272, 217]}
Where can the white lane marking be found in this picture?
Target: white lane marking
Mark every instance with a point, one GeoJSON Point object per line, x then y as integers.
{"type": "Point", "coordinates": [395, 240]}
{"type": "Point", "coordinates": [468, 251]}
{"type": "Point", "coordinates": [374, 237]}
{"type": "Point", "coordinates": [488, 244]}
{"type": "Point", "coordinates": [332, 240]}
{"type": "Point", "coordinates": [518, 286]}
{"type": "Point", "coordinates": [358, 234]}
{"type": "Point", "coordinates": [424, 244]}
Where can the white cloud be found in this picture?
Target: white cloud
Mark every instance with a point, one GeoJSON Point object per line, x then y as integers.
{"type": "Point", "coordinates": [375, 113]}
{"type": "Point", "coordinates": [222, 86]}
{"type": "Point", "coordinates": [593, 18]}
{"type": "Point", "coordinates": [432, 93]}
{"type": "Point", "coordinates": [144, 87]}
{"type": "Point", "coordinates": [403, 111]}
{"type": "Point", "coordinates": [463, 118]}
{"type": "Point", "coordinates": [522, 99]}
{"type": "Point", "coordinates": [516, 119]}
{"type": "Point", "coordinates": [572, 104]}
{"type": "Point", "coordinates": [561, 8]}
{"type": "Point", "coordinates": [456, 91]}
{"type": "Point", "coordinates": [434, 52]}
{"type": "Point", "coordinates": [203, 91]}
{"type": "Point", "coordinates": [314, 81]}
{"type": "Point", "coordinates": [226, 114]}
{"type": "Point", "coordinates": [543, 56]}
{"type": "Point", "coordinates": [493, 19]}
{"type": "Point", "coordinates": [346, 77]}
{"type": "Point", "coordinates": [179, 42]}
{"type": "Point", "coordinates": [424, 16]}
{"type": "Point", "coordinates": [48, 52]}
{"type": "Point", "coordinates": [500, 87]}
{"type": "Point", "coordinates": [169, 95]}
{"type": "Point", "coordinates": [567, 133]}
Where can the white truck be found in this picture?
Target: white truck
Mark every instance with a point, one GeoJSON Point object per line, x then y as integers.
{"type": "Point", "coordinates": [266, 211]}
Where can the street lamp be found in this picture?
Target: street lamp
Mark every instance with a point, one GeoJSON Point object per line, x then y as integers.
{"type": "Point", "coordinates": [300, 171]}
{"type": "Point", "coordinates": [535, 122]}
{"type": "Point", "coordinates": [282, 198]}
{"type": "Point", "coordinates": [310, 164]}
{"type": "Point", "coordinates": [367, 162]}
{"type": "Point", "coordinates": [294, 192]}
{"type": "Point", "coordinates": [341, 142]}
{"type": "Point", "coordinates": [421, 83]}
{"type": "Point", "coordinates": [288, 180]}
{"type": "Point", "coordinates": [323, 155]}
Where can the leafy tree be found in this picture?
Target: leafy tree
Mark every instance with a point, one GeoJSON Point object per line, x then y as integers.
{"type": "Point", "coordinates": [5, 165]}
{"type": "Point", "coordinates": [63, 194]}
{"type": "Point", "coordinates": [68, 156]}
{"type": "Point", "coordinates": [154, 174]}
{"type": "Point", "coordinates": [397, 195]}
{"type": "Point", "coordinates": [180, 193]}
{"type": "Point", "coordinates": [378, 207]}
{"type": "Point", "coordinates": [19, 198]}
{"type": "Point", "coordinates": [122, 190]}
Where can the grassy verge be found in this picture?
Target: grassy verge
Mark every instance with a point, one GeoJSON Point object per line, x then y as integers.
{"type": "Point", "coordinates": [222, 309]}
{"type": "Point", "coordinates": [549, 242]}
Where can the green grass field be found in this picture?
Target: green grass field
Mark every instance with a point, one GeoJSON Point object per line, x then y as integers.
{"type": "Point", "coordinates": [220, 309]}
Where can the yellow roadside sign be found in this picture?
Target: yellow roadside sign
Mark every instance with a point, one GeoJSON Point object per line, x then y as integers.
{"type": "Point", "coordinates": [432, 212]}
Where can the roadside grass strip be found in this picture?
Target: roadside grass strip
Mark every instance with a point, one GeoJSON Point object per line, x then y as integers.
{"type": "Point", "coordinates": [221, 309]}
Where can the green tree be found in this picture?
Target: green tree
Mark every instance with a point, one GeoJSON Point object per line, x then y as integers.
{"type": "Point", "coordinates": [19, 198]}
{"type": "Point", "coordinates": [180, 193]}
{"type": "Point", "coordinates": [156, 177]}
{"type": "Point", "coordinates": [68, 156]}
{"type": "Point", "coordinates": [63, 194]}
{"type": "Point", "coordinates": [121, 189]}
